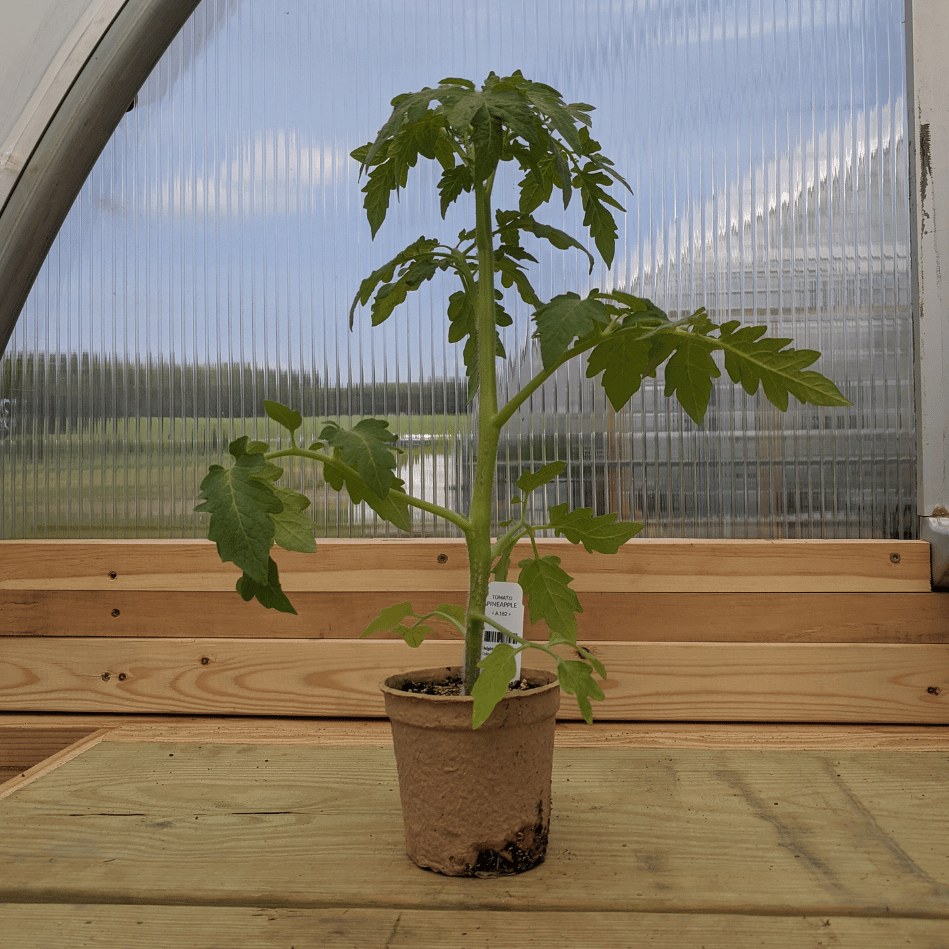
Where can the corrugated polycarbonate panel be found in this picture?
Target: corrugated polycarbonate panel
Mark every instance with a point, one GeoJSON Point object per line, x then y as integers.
{"type": "Point", "coordinates": [212, 256]}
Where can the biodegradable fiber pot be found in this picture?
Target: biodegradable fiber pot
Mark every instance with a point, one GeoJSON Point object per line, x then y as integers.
{"type": "Point", "coordinates": [475, 802]}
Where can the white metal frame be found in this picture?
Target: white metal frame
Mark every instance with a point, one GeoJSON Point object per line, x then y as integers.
{"type": "Point", "coordinates": [927, 32]}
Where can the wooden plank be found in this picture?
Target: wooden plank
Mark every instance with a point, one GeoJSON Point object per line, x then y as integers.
{"type": "Point", "coordinates": [643, 617]}
{"type": "Point", "coordinates": [16, 726]}
{"type": "Point", "coordinates": [634, 830]}
{"type": "Point", "coordinates": [25, 926]}
{"type": "Point", "coordinates": [50, 763]}
{"type": "Point", "coordinates": [23, 747]}
{"type": "Point", "coordinates": [648, 565]}
{"type": "Point", "coordinates": [787, 682]}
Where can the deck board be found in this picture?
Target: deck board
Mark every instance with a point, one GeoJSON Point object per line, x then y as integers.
{"type": "Point", "coordinates": [642, 565]}
{"type": "Point", "coordinates": [703, 831]}
{"type": "Point", "coordinates": [684, 615]}
{"type": "Point", "coordinates": [258, 927]}
{"type": "Point", "coordinates": [764, 682]}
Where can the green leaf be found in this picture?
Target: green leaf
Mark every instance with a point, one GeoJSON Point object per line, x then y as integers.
{"type": "Point", "coordinates": [601, 224]}
{"type": "Point", "coordinates": [452, 613]}
{"type": "Point", "coordinates": [536, 187]}
{"type": "Point", "coordinates": [460, 316]}
{"type": "Point", "coordinates": [411, 277]}
{"type": "Point", "coordinates": [503, 564]}
{"type": "Point", "coordinates": [394, 507]}
{"type": "Point", "coordinates": [415, 635]}
{"type": "Point", "coordinates": [636, 310]}
{"type": "Point", "coordinates": [293, 529]}
{"type": "Point", "coordinates": [408, 107]}
{"type": "Point", "coordinates": [487, 137]}
{"type": "Point", "coordinates": [421, 248]}
{"type": "Point", "coordinates": [576, 678]}
{"type": "Point", "coordinates": [602, 534]}
{"type": "Point", "coordinates": [751, 360]}
{"type": "Point", "coordinates": [623, 358]}
{"type": "Point", "coordinates": [389, 618]}
{"type": "Point", "coordinates": [453, 182]}
{"type": "Point", "coordinates": [268, 594]}
{"type": "Point", "coordinates": [549, 596]}
{"type": "Point", "coordinates": [563, 320]}
{"type": "Point", "coordinates": [690, 371]}
{"type": "Point", "coordinates": [290, 419]}
{"type": "Point", "coordinates": [560, 239]}
{"type": "Point", "coordinates": [367, 449]}
{"type": "Point", "coordinates": [460, 110]}
{"type": "Point", "coordinates": [382, 181]}
{"type": "Point", "coordinates": [244, 446]}
{"type": "Point", "coordinates": [550, 103]}
{"type": "Point", "coordinates": [514, 275]}
{"type": "Point", "coordinates": [532, 480]}
{"type": "Point", "coordinates": [498, 668]}
{"type": "Point", "coordinates": [452, 81]}
{"type": "Point", "coordinates": [242, 506]}
{"type": "Point", "coordinates": [597, 217]}
{"type": "Point", "coordinates": [462, 321]}
{"type": "Point", "coordinates": [589, 657]}
{"type": "Point", "coordinates": [516, 114]}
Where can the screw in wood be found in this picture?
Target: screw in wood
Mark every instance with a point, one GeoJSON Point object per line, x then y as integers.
{"type": "Point", "coordinates": [122, 677]}
{"type": "Point", "coordinates": [116, 612]}
{"type": "Point", "coordinates": [443, 558]}
{"type": "Point", "coordinates": [204, 660]}
{"type": "Point", "coordinates": [112, 574]}
{"type": "Point", "coordinates": [106, 676]}
{"type": "Point", "coordinates": [934, 690]}
{"type": "Point", "coordinates": [894, 558]}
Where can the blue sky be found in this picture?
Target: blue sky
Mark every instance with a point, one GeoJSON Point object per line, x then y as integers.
{"type": "Point", "coordinates": [223, 221]}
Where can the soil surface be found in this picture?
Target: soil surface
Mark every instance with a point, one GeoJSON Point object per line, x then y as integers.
{"type": "Point", "coordinates": [452, 686]}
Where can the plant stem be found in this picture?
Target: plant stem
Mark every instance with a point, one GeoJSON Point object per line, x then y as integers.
{"type": "Point", "coordinates": [478, 535]}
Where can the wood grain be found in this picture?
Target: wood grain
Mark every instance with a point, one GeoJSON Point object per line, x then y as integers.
{"type": "Point", "coordinates": [645, 830]}
{"type": "Point", "coordinates": [28, 926]}
{"type": "Point", "coordinates": [50, 763]}
{"type": "Point", "coordinates": [642, 617]}
{"type": "Point", "coordinates": [16, 729]}
{"type": "Point", "coordinates": [781, 682]}
{"type": "Point", "coordinates": [24, 746]}
{"type": "Point", "coordinates": [735, 566]}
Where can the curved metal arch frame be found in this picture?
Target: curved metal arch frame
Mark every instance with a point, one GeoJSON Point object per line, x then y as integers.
{"type": "Point", "coordinates": [78, 129]}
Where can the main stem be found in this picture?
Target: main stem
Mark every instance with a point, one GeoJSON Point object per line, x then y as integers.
{"type": "Point", "coordinates": [482, 496]}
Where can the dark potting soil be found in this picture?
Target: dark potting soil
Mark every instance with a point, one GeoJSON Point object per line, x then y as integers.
{"type": "Point", "coordinates": [452, 686]}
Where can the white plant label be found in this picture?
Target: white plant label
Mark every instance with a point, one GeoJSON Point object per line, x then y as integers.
{"type": "Point", "coordinates": [506, 605]}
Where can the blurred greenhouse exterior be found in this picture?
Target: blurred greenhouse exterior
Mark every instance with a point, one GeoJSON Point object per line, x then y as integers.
{"type": "Point", "coordinates": [210, 259]}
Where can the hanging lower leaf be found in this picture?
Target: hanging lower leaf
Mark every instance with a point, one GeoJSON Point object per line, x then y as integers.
{"type": "Point", "coordinates": [549, 596]}
{"type": "Point", "coordinates": [242, 505]}
{"type": "Point", "coordinates": [498, 668]}
{"type": "Point", "coordinates": [576, 679]}
{"type": "Point", "coordinates": [293, 529]}
{"type": "Point", "coordinates": [268, 593]}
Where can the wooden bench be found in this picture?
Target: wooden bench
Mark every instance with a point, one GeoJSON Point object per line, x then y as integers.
{"type": "Point", "coordinates": [824, 632]}
{"type": "Point", "coordinates": [768, 767]}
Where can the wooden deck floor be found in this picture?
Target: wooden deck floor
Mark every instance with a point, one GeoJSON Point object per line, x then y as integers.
{"type": "Point", "coordinates": [202, 836]}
